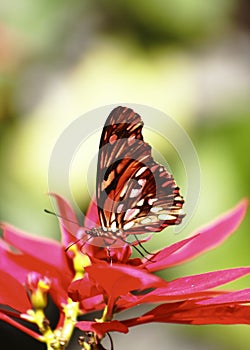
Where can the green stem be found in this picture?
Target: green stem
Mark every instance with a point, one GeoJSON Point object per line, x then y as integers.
{"type": "Point", "coordinates": [71, 311]}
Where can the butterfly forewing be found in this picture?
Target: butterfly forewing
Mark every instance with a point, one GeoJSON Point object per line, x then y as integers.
{"type": "Point", "coordinates": [134, 193]}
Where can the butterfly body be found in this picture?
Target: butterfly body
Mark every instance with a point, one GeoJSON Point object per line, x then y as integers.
{"type": "Point", "coordinates": [104, 237]}
{"type": "Point", "coordinates": [134, 193]}
{"type": "Point", "coordinates": [106, 233]}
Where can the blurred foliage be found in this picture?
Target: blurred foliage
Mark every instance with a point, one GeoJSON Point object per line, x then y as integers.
{"type": "Point", "coordinates": [189, 59]}
{"type": "Point", "coordinates": [153, 22]}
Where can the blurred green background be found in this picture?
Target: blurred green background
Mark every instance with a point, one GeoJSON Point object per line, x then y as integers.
{"type": "Point", "coordinates": [188, 58]}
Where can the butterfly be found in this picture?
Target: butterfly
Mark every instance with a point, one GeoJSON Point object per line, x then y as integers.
{"type": "Point", "coordinates": [134, 193]}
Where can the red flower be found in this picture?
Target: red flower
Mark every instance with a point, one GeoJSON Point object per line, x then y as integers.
{"type": "Point", "coordinates": [41, 267]}
{"type": "Point", "coordinates": [190, 299]}
{"type": "Point", "coordinates": [97, 278]}
{"type": "Point", "coordinates": [22, 253]}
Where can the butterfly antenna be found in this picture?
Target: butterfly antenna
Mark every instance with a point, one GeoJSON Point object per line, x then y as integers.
{"type": "Point", "coordinates": [60, 216]}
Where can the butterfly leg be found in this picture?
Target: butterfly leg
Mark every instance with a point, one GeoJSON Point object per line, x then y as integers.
{"type": "Point", "coordinates": [109, 255]}
{"type": "Point", "coordinates": [142, 247]}
{"type": "Point", "coordinates": [137, 249]}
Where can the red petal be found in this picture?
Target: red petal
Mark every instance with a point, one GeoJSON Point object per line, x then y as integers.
{"type": "Point", "coordinates": [190, 313]}
{"type": "Point", "coordinates": [68, 220]}
{"type": "Point", "coordinates": [209, 236]}
{"type": "Point", "coordinates": [203, 282]}
{"type": "Point", "coordinates": [118, 280]}
{"type": "Point", "coordinates": [130, 301]}
{"type": "Point", "coordinates": [44, 249]}
{"type": "Point", "coordinates": [92, 218]}
{"type": "Point", "coordinates": [122, 254]}
{"type": "Point", "coordinates": [92, 304]}
{"type": "Point", "coordinates": [82, 288]}
{"type": "Point", "coordinates": [13, 293]}
{"type": "Point", "coordinates": [101, 328]}
{"type": "Point", "coordinates": [161, 259]}
{"type": "Point", "coordinates": [19, 265]}
{"type": "Point", "coordinates": [19, 326]}
{"type": "Point", "coordinates": [190, 287]}
{"type": "Point", "coordinates": [239, 296]}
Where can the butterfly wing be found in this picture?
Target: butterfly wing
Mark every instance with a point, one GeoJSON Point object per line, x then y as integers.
{"type": "Point", "coordinates": [134, 192]}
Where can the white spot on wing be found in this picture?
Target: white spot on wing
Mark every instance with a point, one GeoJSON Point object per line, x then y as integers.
{"type": "Point", "coordinates": [140, 171]}
{"type": "Point", "coordinates": [151, 201]}
{"type": "Point", "coordinates": [140, 203]}
{"type": "Point", "coordinates": [119, 208]}
{"type": "Point", "coordinates": [146, 221]}
{"type": "Point", "coordinates": [113, 226]}
{"type": "Point", "coordinates": [181, 212]}
{"type": "Point", "coordinates": [141, 182]}
{"type": "Point", "coordinates": [156, 209]}
{"type": "Point", "coordinates": [177, 211]}
{"type": "Point", "coordinates": [131, 139]}
{"type": "Point", "coordinates": [166, 217]}
{"type": "Point", "coordinates": [135, 192]}
{"type": "Point", "coordinates": [131, 213]}
{"type": "Point", "coordinates": [128, 225]}
{"type": "Point", "coordinates": [123, 191]}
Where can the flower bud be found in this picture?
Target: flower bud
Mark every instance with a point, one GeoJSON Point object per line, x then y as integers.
{"type": "Point", "coordinates": [38, 287]}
